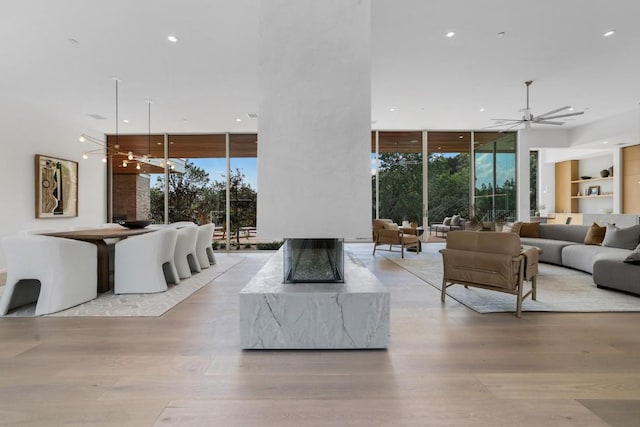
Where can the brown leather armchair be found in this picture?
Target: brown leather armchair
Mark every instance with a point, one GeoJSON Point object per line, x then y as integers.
{"type": "Point", "coordinates": [489, 260]}
{"type": "Point", "coordinates": [385, 232]}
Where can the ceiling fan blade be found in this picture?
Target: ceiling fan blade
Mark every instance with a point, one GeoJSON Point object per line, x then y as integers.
{"type": "Point", "coordinates": [498, 125]}
{"type": "Point", "coordinates": [513, 126]}
{"type": "Point", "coordinates": [557, 110]}
{"type": "Point", "coordinates": [508, 120]}
{"type": "Point", "coordinates": [548, 122]}
{"type": "Point", "coordinates": [560, 115]}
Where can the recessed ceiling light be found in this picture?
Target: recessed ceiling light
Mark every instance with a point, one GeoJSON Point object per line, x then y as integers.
{"type": "Point", "coordinates": [172, 39]}
{"type": "Point", "coordinates": [125, 121]}
{"type": "Point", "coordinates": [238, 120]}
{"type": "Point", "coordinates": [501, 34]}
{"type": "Point", "coordinates": [605, 142]}
{"type": "Point", "coordinates": [482, 109]}
{"type": "Point", "coordinates": [451, 34]}
{"type": "Point", "coordinates": [609, 33]}
{"type": "Point", "coordinates": [392, 109]}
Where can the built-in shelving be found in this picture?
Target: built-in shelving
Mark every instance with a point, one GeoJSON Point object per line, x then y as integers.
{"type": "Point", "coordinates": [599, 196]}
{"type": "Point", "coordinates": [578, 181]}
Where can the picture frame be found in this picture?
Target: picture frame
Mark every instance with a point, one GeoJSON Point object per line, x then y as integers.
{"type": "Point", "coordinates": [594, 190]}
{"type": "Point", "coordinates": [56, 192]}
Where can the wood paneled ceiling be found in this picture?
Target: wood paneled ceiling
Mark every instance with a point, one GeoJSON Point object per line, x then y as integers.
{"type": "Point", "coordinates": [193, 146]}
{"type": "Point", "coordinates": [183, 146]}
{"type": "Point", "coordinates": [437, 141]}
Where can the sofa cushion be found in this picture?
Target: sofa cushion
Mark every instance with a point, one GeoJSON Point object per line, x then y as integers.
{"type": "Point", "coordinates": [623, 238]}
{"type": "Point", "coordinates": [455, 220]}
{"type": "Point", "coordinates": [568, 232]}
{"type": "Point", "coordinates": [634, 257]}
{"type": "Point", "coordinates": [512, 227]}
{"type": "Point", "coordinates": [595, 235]}
{"type": "Point", "coordinates": [551, 249]}
{"type": "Point", "coordinates": [610, 272]}
{"type": "Point", "coordinates": [447, 221]}
{"type": "Point", "coordinates": [530, 229]}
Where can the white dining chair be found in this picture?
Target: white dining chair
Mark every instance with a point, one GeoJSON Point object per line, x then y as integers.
{"type": "Point", "coordinates": [185, 252]}
{"type": "Point", "coordinates": [54, 272]}
{"type": "Point", "coordinates": [144, 263]}
{"type": "Point", "coordinates": [203, 245]}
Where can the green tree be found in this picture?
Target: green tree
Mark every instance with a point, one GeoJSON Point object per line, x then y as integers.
{"type": "Point", "coordinates": [400, 188]}
{"type": "Point", "coordinates": [243, 200]}
{"type": "Point", "coordinates": [448, 186]}
{"type": "Point", "coordinates": [190, 196]}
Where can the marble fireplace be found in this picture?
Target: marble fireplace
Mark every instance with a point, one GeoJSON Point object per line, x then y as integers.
{"type": "Point", "coordinates": [313, 261]}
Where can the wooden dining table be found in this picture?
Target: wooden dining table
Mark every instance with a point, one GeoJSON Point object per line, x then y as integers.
{"type": "Point", "coordinates": [99, 236]}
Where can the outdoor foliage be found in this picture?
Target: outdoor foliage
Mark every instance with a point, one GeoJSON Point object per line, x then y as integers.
{"type": "Point", "coordinates": [192, 197]}
{"type": "Point", "coordinates": [400, 186]}
{"type": "Point", "coordinates": [448, 186]}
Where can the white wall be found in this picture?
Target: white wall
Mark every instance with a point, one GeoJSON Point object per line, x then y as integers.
{"type": "Point", "coordinates": [314, 119]}
{"type": "Point", "coordinates": [619, 129]}
{"type": "Point", "coordinates": [27, 132]}
{"type": "Point", "coordinates": [537, 139]}
{"type": "Point", "coordinates": [583, 142]}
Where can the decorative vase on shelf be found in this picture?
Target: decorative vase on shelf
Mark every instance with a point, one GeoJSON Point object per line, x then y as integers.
{"type": "Point", "coordinates": [610, 170]}
{"type": "Point", "coordinates": [604, 173]}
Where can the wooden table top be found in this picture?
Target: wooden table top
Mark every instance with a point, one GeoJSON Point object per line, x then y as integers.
{"type": "Point", "coordinates": [99, 233]}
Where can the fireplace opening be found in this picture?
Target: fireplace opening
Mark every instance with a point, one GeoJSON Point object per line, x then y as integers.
{"type": "Point", "coordinates": [313, 261]}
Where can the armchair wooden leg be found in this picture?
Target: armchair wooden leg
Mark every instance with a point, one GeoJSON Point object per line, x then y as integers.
{"type": "Point", "coordinates": [402, 250]}
{"type": "Point", "coordinates": [443, 293]}
{"type": "Point", "coordinates": [534, 283]}
{"type": "Point", "coordinates": [375, 245]}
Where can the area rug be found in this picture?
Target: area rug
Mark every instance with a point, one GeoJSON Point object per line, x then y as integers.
{"type": "Point", "coordinates": [140, 305]}
{"type": "Point", "coordinates": [559, 289]}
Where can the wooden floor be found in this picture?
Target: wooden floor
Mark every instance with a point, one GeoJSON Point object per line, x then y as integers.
{"type": "Point", "coordinates": [446, 365]}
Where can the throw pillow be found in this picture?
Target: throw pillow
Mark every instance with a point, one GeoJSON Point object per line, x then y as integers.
{"type": "Point", "coordinates": [455, 220]}
{"type": "Point", "coordinates": [530, 229]}
{"type": "Point", "coordinates": [623, 238]}
{"type": "Point", "coordinates": [447, 221]}
{"type": "Point", "coordinates": [391, 226]}
{"type": "Point", "coordinates": [595, 235]}
{"type": "Point", "coordinates": [634, 257]}
{"type": "Point", "coordinates": [512, 227]}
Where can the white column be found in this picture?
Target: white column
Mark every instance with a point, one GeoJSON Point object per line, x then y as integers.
{"type": "Point", "coordinates": [314, 119]}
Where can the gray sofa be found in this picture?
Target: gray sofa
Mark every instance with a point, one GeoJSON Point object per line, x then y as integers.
{"type": "Point", "coordinates": [564, 245]}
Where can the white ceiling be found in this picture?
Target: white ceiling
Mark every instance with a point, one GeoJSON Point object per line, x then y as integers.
{"type": "Point", "coordinates": [209, 79]}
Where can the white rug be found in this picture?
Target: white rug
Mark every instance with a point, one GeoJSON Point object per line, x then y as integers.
{"type": "Point", "coordinates": [141, 305]}
{"type": "Point", "coordinates": [559, 289]}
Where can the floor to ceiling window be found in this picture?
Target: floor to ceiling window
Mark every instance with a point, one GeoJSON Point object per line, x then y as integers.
{"type": "Point", "coordinates": [400, 176]}
{"type": "Point", "coordinates": [448, 172]}
{"type": "Point", "coordinates": [187, 181]}
{"type": "Point", "coordinates": [495, 176]}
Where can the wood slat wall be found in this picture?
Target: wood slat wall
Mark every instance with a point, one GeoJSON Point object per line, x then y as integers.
{"type": "Point", "coordinates": [631, 180]}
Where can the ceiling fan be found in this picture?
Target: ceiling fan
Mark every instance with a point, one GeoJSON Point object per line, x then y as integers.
{"type": "Point", "coordinates": [547, 118]}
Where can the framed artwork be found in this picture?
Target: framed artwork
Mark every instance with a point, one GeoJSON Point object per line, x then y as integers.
{"type": "Point", "coordinates": [56, 187]}
{"type": "Point", "coordinates": [594, 190]}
